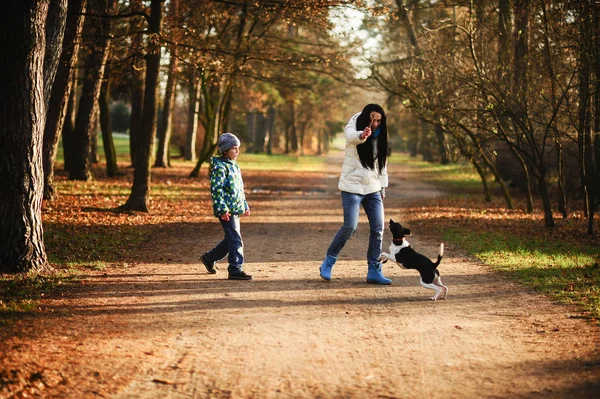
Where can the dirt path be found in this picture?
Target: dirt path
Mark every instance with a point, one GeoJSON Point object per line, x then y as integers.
{"type": "Point", "coordinates": [164, 328]}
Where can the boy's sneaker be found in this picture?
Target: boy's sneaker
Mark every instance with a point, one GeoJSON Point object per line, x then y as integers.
{"type": "Point", "coordinates": [210, 266]}
{"type": "Point", "coordinates": [239, 276]}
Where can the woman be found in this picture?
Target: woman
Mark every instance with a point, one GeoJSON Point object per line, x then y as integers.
{"type": "Point", "coordinates": [363, 181]}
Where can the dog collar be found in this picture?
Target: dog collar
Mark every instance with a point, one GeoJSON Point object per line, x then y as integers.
{"type": "Point", "coordinates": [398, 241]}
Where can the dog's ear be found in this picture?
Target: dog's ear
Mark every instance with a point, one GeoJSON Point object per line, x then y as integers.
{"type": "Point", "coordinates": [392, 221]}
{"type": "Point", "coordinates": [406, 232]}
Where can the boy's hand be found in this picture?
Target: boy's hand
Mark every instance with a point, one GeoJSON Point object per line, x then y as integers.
{"type": "Point", "coordinates": [225, 217]}
{"type": "Point", "coordinates": [247, 213]}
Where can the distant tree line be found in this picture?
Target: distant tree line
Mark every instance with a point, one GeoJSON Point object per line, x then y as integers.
{"type": "Point", "coordinates": [513, 86]}
{"type": "Point", "coordinates": [67, 61]}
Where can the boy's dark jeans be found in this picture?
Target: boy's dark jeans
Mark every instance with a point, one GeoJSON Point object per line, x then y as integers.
{"type": "Point", "coordinates": [232, 244]}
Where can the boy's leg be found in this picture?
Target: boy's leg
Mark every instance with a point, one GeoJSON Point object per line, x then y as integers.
{"type": "Point", "coordinates": [211, 257]}
{"type": "Point", "coordinates": [235, 247]}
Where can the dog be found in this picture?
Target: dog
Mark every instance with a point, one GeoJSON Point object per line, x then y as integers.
{"type": "Point", "coordinates": [402, 253]}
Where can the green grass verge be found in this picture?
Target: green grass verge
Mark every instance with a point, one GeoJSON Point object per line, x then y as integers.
{"type": "Point", "coordinates": [21, 293]}
{"type": "Point", "coordinates": [281, 162]}
{"type": "Point", "coordinates": [564, 269]}
{"type": "Point", "coordinates": [567, 272]}
{"type": "Point", "coordinates": [457, 179]}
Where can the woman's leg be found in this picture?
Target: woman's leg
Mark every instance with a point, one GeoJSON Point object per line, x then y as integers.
{"type": "Point", "coordinates": [351, 206]}
{"type": "Point", "coordinates": [373, 206]}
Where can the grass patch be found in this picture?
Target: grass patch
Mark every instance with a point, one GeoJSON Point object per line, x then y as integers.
{"type": "Point", "coordinates": [569, 272]}
{"type": "Point", "coordinates": [562, 262]}
{"type": "Point", "coordinates": [281, 162]}
{"type": "Point", "coordinates": [457, 179]}
{"type": "Point", "coordinates": [21, 293]}
{"type": "Point", "coordinates": [91, 247]}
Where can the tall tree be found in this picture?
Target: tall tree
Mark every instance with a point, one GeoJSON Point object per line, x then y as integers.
{"type": "Point", "coordinates": [166, 122]}
{"type": "Point", "coordinates": [97, 29]}
{"type": "Point", "coordinates": [22, 117]}
{"type": "Point", "coordinates": [112, 168]}
{"type": "Point", "coordinates": [138, 199]}
{"type": "Point", "coordinates": [61, 92]}
{"type": "Point", "coordinates": [137, 76]}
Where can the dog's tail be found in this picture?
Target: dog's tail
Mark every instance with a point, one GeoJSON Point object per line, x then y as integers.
{"type": "Point", "coordinates": [440, 255]}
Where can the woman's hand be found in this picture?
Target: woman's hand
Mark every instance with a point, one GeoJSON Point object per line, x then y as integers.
{"type": "Point", "coordinates": [366, 133]}
{"type": "Point", "coordinates": [247, 213]}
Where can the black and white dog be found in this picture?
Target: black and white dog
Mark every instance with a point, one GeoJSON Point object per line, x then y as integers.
{"type": "Point", "coordinates": [402, 253]}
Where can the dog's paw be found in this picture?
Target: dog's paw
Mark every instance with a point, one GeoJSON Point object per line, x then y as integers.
{"type": "Point", "coordinates": [384, 257]}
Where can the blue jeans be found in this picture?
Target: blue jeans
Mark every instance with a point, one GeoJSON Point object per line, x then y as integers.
{"type": "Point", "coordinates": [232, 244]}
{"type": "Point", "coordinates": [373, 206]}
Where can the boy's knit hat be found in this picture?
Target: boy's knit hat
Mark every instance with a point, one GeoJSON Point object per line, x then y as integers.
{"type": "Point", "coordinates": [226, 141]}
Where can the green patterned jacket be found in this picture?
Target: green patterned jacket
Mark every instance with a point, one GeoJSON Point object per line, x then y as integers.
{"type": "Point", "coordinates": [226, 187]}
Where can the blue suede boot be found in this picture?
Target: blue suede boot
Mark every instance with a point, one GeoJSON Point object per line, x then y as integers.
{"type": "Point", "coordinates": [325, 269]}
{"type": "Point", "coordinates": [375, 276]}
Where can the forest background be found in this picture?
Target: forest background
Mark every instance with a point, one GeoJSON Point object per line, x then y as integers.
{"type": "Point", "coordinates": [508, 88]}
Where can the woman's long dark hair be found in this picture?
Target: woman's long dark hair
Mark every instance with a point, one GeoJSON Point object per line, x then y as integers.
{"type": "Point", "coordinates": [365, 150]}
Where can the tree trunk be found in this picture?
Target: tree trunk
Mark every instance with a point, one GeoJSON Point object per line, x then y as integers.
{"type": "Point", "coordinates": [112, 169]}
{"type": "Point", "coordinates": [215, 112]}
{"type": "Point", "coordinates": [546, 204]}
{"type": "Point", "coordinates": [584, 105]}
{"type": "Point", "coordinates": [85, 121]}
{"type": "Point", "coordinates": [138, 200]}
{"type": "Point", "coordinates": [61, 92]}
{"type": "Point", "coordinates": [166, 123]}
{"type": "Point", "coordinates": [595, 194]}
{"type": "Point", "coordinates": [520, 83]}
{"type": "Point", "coordinates": [562, 197]}
{"type": "Point", "coordinates": [165, 126]}
{"type": "Point", "coordinates": [137, 80]}
{"type": "Point", "coordinates": [55, 30]}
{"type": "Point", "coordinates": [22, 117]}
{"type": "Point", "coordinates": [293, 136]}
{"type": "Point", "coordinates": [94, 134]}
{"type": "Point", "coordinates": [490, 164]}
{"type": "Point", "coordinates": [69, 126]}
{"type": "Point", "coordinates": [189, 151]}
{"type": "Point", "coordinates": [442, 146]}
{"type": "Point", "coordinates": [271, 114]}
{"type": "Point", "coordinates": [481, 173]}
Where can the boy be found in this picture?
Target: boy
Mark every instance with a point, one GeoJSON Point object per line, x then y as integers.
{"type": "Point", "coordinates": [229, 202]}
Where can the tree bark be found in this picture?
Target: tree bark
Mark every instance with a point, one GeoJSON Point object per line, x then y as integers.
{"type": "Point", "coordinates": [595, 195]}
{"type": "Point", "coordinates": [189, 151]}
{"type": "Point", "coordinates": [138, 199]}
{"type": "Point", "coordinates": [216, 101]}
{"type": "Point", "coordinates": [585, 101]}
{"type": "Point", "coordinates": [85, 121]}
{"type": "Point", "coordinates": [112, 169]}
{"type": "Point", "coordinates": [481, 173]}
{"type": "Point", "coordinates": [22, 117]}
{"type": "Point", "coordinates": [69, 125]}
{"type": "Point", "coordinates": [61, 92]}
{"type": "Point", "coordinates": [271, 114]}
{"type": "Point", "coordinates": [137, 80]}
{"type": "Point", "coordinates": [55, 30]}
{"type": "Point", "coordinates": [166, 123]}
